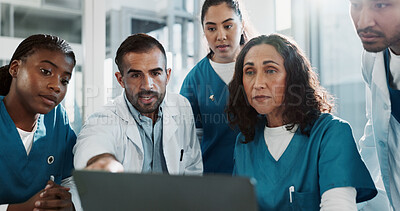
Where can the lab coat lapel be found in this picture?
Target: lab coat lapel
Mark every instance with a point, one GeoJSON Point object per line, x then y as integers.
{"type": "Point", "coordinates": [379, 76]}
{"type": "Point", "coordinates": [171, 146]}
{"type": "Point", "coordinates": [133, 132]}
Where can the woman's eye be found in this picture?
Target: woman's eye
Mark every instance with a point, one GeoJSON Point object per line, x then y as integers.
{"type": "Point", "coordinates": [45, 71]}
{"type": "Point", "coordinates": [249, 72]}
{"type": "Point", "coordinates": [211, 29]}
{"type": "Point", "coordinates": [228, 26]}
{"type": "Point", "coordinates": [270, 71]}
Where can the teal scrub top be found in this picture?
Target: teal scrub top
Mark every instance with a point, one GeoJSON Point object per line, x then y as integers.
{"type": "Point", "coordinates": [22, 175]}
{"type": "Point", "coordinates": [327, 159]}
{"type": "Point", "coordinates": [208, 95]}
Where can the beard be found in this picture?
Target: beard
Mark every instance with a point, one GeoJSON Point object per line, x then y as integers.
{"type": "Point", "coordinates": [147, 108]}
{"type": "Point", "coordinates": [381, 45]}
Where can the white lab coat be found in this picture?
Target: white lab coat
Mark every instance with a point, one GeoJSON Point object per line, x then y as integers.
{"type": "Point", "coordinates": [114, 130]}
{"type": "Point", "coordinates": [374, 144]}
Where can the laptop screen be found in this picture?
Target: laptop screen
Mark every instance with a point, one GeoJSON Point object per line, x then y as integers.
{"type": "Point", "coordinates": [130, 191]}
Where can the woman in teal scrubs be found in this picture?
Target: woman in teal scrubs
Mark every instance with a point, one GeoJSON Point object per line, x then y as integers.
{"type": "Point", "coordinates": [301, 156]}
{"type": "Point", "coordinates": [206, 88]}
{"type": "Point", "coordinates": [36, 140]}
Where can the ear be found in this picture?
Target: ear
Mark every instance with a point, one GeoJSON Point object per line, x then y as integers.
{"type": "Point", "coordinates": [120, 80]}
{"type": "Point", "coordinates": [168, 74]}
{"type": "Point", "coordinates": [14, 68]}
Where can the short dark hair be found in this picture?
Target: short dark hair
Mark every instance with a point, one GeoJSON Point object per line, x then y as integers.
{"type": "Point", "coordinates": [137, 43]}
{"type": "Point", "coordinates": [28, 47]}
{"type": "Point", "coordinates": [304, 99]}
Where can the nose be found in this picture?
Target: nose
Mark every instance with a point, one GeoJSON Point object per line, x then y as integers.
{"type": "Point", "coordinates": [147, 83]}
{"type": "Point", "coordinates": [365, 18]}
{"type": "Point", "coordinates": [55, 84]}
{"type": "Point", "coordinates": [259, 82]}
{"type": "Point", "coordinates": [221, 35]}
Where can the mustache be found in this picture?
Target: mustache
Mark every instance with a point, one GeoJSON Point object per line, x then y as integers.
{"type": "Point", "coordinates": [147, 92]}
{"type": "Point", "coordinates": [370, 30]}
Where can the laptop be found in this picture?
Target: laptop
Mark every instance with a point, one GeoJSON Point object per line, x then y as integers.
{"type": "Point", "coordinates": [129, 191]}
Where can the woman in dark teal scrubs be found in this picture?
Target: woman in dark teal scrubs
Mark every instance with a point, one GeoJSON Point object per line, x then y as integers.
{"type": "Point", "coordinates": [206, 89]}
{"type": "Point", "coordinates": [320, 165]}
{"type": "Point", "coordinates": [33, 166]}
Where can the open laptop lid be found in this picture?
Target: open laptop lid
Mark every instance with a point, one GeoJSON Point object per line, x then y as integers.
{"type": "Point", "coordinates": [128, 191]}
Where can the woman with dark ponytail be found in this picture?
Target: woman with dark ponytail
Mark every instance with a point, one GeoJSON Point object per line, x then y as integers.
{"type": "Point", "coordinates": [206, 84]}
{"type": "Point", "coordinates": [36, 159]}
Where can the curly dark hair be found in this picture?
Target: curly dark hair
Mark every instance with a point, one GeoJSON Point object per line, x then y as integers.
{"type": "Point", "coordinates": [28, 47]}
{"type": "Point", "coordinates": [304, 99]}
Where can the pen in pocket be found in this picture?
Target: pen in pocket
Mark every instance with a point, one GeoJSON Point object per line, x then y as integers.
{"type": "Point", "coordinates": [291, 191]}
{"type": "Point", "coordinates": [181, 155]}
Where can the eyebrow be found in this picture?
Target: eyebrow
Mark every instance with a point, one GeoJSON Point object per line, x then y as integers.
{"type": "Point", "coordinates": [264, 62]}
{"type": "Point", "coordinates": [139, 71]}
{"type": "Point", "coordinates": [212, 23]}
{"type": "Point", "coordinates": [51, 63]}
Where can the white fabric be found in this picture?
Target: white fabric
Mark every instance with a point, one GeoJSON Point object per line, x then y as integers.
{"type": "Point", "coordinates": [342, 198]}
{"type": "Point", "coordinates": [69, 183]}
{"type": "Point", "coordinates": [27, 138]}
{"type": "Point", "coordinates": [394, 161]}
{"type": "Point", "coordinates": [277, 139]}
{"type": "Point", "coordinates": [395, 70]}
{"type": "Point", "coordinates": [114, 131]}
{"type": "Point", "coordinates": [3, 207]}
{"type": "Point", "coordinates": [224, 70]}
{"type": "Point", "coordinates": [374, 143]}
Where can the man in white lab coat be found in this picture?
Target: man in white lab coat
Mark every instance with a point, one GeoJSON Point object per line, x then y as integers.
{"type": "Point", "coordinates": [378, 25]}
{"type": "Point", "coordinates": [146, 129]}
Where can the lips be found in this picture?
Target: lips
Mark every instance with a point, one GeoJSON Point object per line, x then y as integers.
{"type": "Point", "coordinates": [146, 99]}
{"type": "Point", "coordinates": [222, 47]}
{"type": "Point", "coordinates": [260, 98]}
{"type": "Point", "coordinates": [50, 100]}
{"type": "Point", "coordinates": [369, 37]}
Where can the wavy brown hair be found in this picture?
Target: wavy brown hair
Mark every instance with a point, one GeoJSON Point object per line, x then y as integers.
{"type": "Point", "coordinates": [304, 99]}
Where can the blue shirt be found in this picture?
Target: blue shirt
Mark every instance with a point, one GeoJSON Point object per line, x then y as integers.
{"type": "Point", "coordinates": [208, 95]}
{"type": "Point", "coordinates": [154, 160]}
{"type": "Point", "coordinates": [328, 158]}
{"type": "Point", "coordinates": [22, 175]}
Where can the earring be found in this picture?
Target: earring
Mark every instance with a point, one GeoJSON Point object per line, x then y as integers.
{"type": "Point", "coordinates": [241, 40]}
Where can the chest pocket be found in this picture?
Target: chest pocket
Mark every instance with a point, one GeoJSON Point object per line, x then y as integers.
{"type": "Point", "coordinates": [308, 201]}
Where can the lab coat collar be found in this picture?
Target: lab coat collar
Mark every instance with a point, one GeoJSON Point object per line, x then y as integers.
{"type": "Point", "coordinates": [379, 75]}
{"type": "Point", "coordinates": [171, 146]}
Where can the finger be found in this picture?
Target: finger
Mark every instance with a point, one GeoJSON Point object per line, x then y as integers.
{"type": "Point", "coordinates": [50, 184]}
{"type": "Point", "coordinates": [59, 192]}
{"type": "Point", "coordinates": [36, 209]}
{"type": "Point", "coordinates": [53, 204]}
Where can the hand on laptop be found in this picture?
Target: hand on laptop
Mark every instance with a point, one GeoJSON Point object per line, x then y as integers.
{"type": "Point", "coordinates": [105, 162]}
